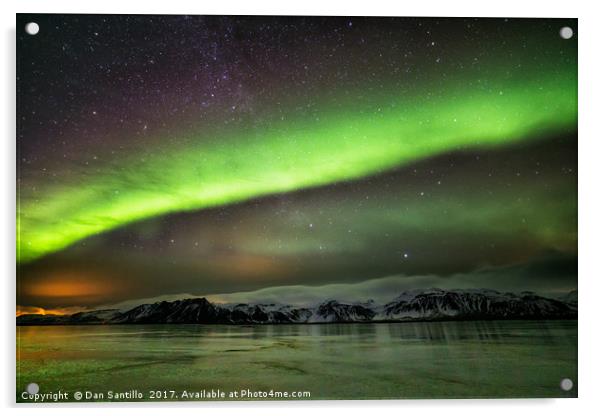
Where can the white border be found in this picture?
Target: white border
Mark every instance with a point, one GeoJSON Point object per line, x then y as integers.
{"type": "Point", "coordinates": [590, 152]}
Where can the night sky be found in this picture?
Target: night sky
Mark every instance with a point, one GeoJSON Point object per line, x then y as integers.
{"type": "Point", "coordinates": [167, 155]}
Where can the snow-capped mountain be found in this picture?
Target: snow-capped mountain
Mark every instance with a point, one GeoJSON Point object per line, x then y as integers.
{"type": "Point", "coordinates": [333, 311]}
{"type": "Point", "coordinates": [413, 305]}
{"type": "Point", "coordinates": [570, 297]}
{"type": "Point", "coordinates": [473, 304]}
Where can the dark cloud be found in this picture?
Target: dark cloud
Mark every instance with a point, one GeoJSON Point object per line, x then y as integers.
{"type": "Point", "coordinates": [552, 275]}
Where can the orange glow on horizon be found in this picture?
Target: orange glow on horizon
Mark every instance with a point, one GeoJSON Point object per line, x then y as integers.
{"type": "Point", "coordinates": [71, 285]}
{"type": "Point", "coordinates": [70, 288]}
{"type": "Point", "coordinates": [27, 310]}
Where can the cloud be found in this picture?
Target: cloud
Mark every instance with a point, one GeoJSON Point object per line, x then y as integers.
{"type": "Point", "coordinates": [551, 275]}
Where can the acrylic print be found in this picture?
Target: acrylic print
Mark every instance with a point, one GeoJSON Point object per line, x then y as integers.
{"type": "Point", "coordinates": [295, 208]}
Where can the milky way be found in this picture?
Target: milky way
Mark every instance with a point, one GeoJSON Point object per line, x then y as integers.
{"type": "Point", "coordinates": [333, 134]}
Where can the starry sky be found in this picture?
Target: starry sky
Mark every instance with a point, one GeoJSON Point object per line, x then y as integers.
{"type": "Point", "coordinates": [236, 156]}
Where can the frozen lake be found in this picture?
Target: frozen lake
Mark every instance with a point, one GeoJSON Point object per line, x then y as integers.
{"type": "Point", "coordinates": [333, 361]}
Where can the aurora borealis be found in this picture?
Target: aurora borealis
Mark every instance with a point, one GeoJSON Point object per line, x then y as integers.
{"type": "Point", "coordinates": [161, 155]}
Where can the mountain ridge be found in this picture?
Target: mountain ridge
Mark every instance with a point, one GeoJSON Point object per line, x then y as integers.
{"type": "Point", "coordinates": [414, 305]}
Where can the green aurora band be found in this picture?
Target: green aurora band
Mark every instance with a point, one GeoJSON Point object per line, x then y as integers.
{"type": "Point", "coordinates": [345, 144]}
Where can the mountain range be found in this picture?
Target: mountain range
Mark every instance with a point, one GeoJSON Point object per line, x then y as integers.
{"type": "Point", "coordinates": [414, 305]}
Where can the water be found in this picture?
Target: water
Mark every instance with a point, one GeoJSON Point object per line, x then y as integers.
{"type": "Point", "coordinates": [335, 361]}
